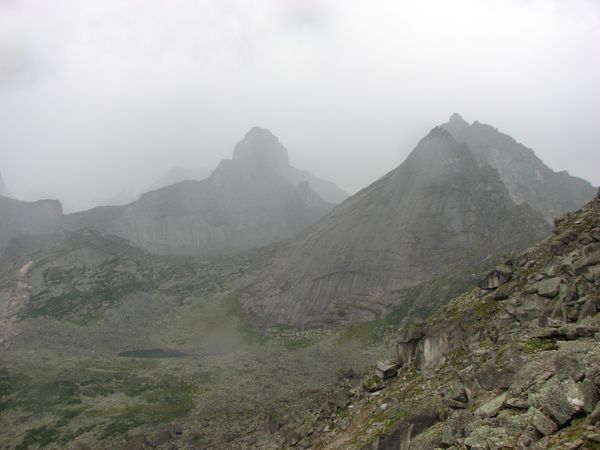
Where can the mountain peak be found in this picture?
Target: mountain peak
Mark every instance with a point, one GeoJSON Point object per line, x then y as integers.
{"type": "Point", "coordinates": [263, 147]}
{"type": "Point", "coordinates": [439, 151]}
{"type": "Point", "coordinates": [456, 125]}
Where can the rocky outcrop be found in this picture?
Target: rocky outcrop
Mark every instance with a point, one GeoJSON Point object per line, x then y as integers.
{"type": "Point", "coordinates": [438, 212]}
{"type": "Point", "coordinates": [517, 371]}
{"type": "Point", "coordinates": [19, 218]}
{"type": "Point", "coordinates": [527, 178]}
{"type": "Point", "coordinates": [246, 202]}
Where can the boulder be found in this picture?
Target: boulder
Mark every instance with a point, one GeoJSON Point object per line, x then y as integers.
{"type": "Point", "coordinates": [549, 287]}
{"type": "Point", "coordinates": [559, 399]}
{"type": "Point", "coordinates": [491, 408]}
{"type": "Point", "coordinates": [590, 395]}
{"type": "Point", "coordinates": [386, 369]}
{"type": "Point", "coordinates": [496, 277]}
{"type": "Point", "coordinates": [486, 438]}
{"type": "Point", "coordinates": [541, 422]}
{"type": "Point", "coordinates": [373, 384]}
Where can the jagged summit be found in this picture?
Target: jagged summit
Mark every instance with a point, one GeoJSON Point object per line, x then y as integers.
{"type": "Point", "coordinates": [526, 176]}
{"type": "Point", "coordinates": [437, 151]}
{"type": "Point", "coordinates": [263, 147]}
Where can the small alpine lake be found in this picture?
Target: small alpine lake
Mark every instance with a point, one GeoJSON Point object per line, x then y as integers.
{"type": "Point", "coordinates": [156, 353]}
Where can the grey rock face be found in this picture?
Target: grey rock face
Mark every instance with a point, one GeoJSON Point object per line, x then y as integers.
{"type": "Point", "coordinates": [436, 212]}
{"type": "Point", "coordinates": [527, 178]}
{"type": "Point", "coordinates": [245, 203]}
{"type": "Point", "coordinates": [18, 218]}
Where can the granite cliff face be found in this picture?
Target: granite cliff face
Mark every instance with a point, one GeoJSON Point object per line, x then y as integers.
{"type": "Point", "coordinates": [437, 212]}
{"type": "Point", "coordinates": [18, 218]}
{"type": "Point", "coordinates": [527, 178]}
{"type": "Point", "coordinates": [246, 202]}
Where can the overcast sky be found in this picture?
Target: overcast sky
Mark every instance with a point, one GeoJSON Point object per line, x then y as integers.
{"type": "Point", "coordinates": [97, 96]}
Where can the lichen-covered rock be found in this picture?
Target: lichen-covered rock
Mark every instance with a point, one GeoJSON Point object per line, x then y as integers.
{"type": "Point", "coordinates": [559, 399]}
{"type": "Point", "coordinates": [491, 408]}
{"type": "Point", "coordinates": [541, 422]}
{"type": "Point", "coordinates": [549, 287]}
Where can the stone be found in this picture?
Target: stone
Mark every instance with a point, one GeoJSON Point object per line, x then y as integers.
{"type": "Point", "coordinates": [595, 437]}
{"type": "Point", "coordinates": [549, 287]}
{"type": "Point", "coordinates": [487, 438]}
{"type": "Point", "coordinates": [559, 399]}
{"type": "Point", "coordinates": [516, 403]}
{"type": "Point", "coordinates": [594, 415]}
{"type": "Point", "coordinates": [456, 404]}
{"type": "Point", "coordinates": [272, 424]}
{"type": "Point", "coordinates": [373, 384]}
{"type": "Point", "coordinates": [541, 422]}
{"type": "Point", "coordinates": [491, 408]}
{"type": "Point", "coordinates": [494, 279]}
{"type": "Point", "coordinates": [590, 395]}
{"type": "Point", "coordinates": [340, 399]}
{"type": "Point", "coordinates": [503, 292]}
{"type": "Point", "coordinates": [386, 369]}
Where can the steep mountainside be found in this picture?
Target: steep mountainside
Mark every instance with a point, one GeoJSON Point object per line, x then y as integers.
{"type": "Point", "coordinates": [527, 178]}
{"type": "Point", "coordinates": [438, 212]}
{"type": "Point", "coordinates": [514, 364]}
{"type": "Point", "coordinates": [245, 203]}
{"type": "Point", "coordinates": [19, 217]}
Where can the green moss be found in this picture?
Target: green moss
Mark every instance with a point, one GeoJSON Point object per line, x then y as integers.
{"type": "Point", "coordinates": [535, 345]}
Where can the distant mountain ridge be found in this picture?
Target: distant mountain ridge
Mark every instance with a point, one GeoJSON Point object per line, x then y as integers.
{"type": "Point", "coordinates": [179, 174]}
{"type": "Point", "coordinates": [527, 178]}
{"type": "Point", "coordinates": [437, 212]}
{"type": "Point", "coordinates": [246, 202]}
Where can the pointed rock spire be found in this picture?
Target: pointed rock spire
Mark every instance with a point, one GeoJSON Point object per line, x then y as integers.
{"type": "Point", "coordinates": [262, 147]}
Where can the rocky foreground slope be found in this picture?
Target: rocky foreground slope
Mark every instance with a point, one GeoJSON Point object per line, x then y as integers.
{"type": "Point", "coordinates": [512, 364]}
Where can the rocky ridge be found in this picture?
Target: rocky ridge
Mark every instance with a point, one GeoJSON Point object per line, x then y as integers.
{"type": "Point", "coordinates": [437, 213]}
{"type": "Point", "coordinates": [527, 178]}
{"type": "Point", "coordinates": [246, 202]}
{"type": "Point", "coordinates": [514, 363]}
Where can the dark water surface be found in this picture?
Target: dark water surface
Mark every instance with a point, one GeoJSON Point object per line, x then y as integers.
{"type": "Point", "coordinates": [156, 353]}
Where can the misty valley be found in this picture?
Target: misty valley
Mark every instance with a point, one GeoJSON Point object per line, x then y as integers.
{"type": "Point", "coordinates": [261, 307]}
{"type": "Point", "coordinates": [238, 225]}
